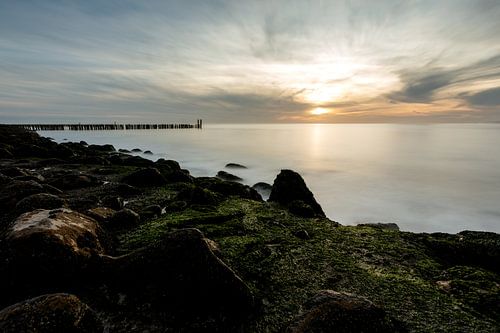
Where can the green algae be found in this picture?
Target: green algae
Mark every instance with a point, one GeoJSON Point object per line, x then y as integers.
{"type": "Point", "coordinates": [393, 269]}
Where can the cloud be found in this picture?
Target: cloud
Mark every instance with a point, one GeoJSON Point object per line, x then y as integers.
{"type": "Point", "coordinates": [490, 97]}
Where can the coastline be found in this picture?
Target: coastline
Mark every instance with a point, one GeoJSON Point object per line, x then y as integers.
{"type": "Point", "coordinates": [161, 247]}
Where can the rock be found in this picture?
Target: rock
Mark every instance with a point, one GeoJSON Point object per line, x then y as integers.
{"type": "Point", "coordinates": [130, 160]}
{"type": "Point", "coordinates": [171, 164]}
{"type": "Point", "coordinates": [150, 212]}
{"type": "Point", "coordinates": [262, 187]}
{"type": "Point", "coordinates": [102, 148]}
{"type": "Point", "coordinates": [388, 226]}
{"type": "Point", "coordinates": [101, 214]}
{"type": "Point", "coordinates": [288, 187]}
{"type": "Point", "coordinates": [124, 218]}
{"type": "Point", "coordinates": [331, 311]}
{"type": "Point", "coordinates": [126, 151]}
{"type": "Point", "coordinates": [120, 189]}
{"type": "Point", "coordinates": [39, 201]}
{"type": "Point", "coordinates": [5, 153]}
{"type": "Point", "coordinates": [181, 274]}
{"type": "Point", "coordinates": [149, 177]}
{"type": "Point", "coordinates": [197, 195]}
{"type": "Point", "coordinates": [302, 234]}
{"type": "Point", "coordinates": [14, 172]}
{"type": "Point", "coordinates": [112, 201]}
{"type": "Point", "coordinates": [35, 177]}
{"type": "Point", "coordinates": [51, 189]}
{"type": "Point", "coordinates": [74, 181]}
{"type": "Point", "coordinates": [227, 176]}
{"type": "Point", "coordinates": [4, 179]}
{"type": "Point", "coordinates": [16, 190]}
{"type": "Point", "coordinates": [300, 208]}
{"type": "Point", "coordinates": [228, 188]}
{"type": "Point", "coordinates": [136, 150]}
{"type": "Point", "coordinates": [54, 246]}
{"type": "Point", "coordinates": [148, 152]}
{"type": "Point", "coordinates": [178, 176]}
{"type": "Point", "coordinates": [235, 166]}
{"type": "Point", "coordinates": [50, 313]}
{"type": "Point", "coordinates": [83, 143]}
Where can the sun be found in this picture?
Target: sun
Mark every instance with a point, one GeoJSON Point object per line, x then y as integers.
{"type": "Point", "coordinates": [319, 111]}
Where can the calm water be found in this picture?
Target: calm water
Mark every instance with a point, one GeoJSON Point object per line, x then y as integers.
{"type": "Point", "coordinates": [423, 177]}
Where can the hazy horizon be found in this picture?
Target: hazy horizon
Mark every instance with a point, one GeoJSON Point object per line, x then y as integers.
{"type": "Point", "coordinates": [250, 62]}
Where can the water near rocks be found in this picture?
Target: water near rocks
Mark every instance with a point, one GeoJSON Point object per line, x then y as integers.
{"type": "Point", "coordinates": [423, 177]}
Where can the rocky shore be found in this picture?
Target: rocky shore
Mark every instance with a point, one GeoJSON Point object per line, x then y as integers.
{"type": "Point", "coordinates": [97, 240]}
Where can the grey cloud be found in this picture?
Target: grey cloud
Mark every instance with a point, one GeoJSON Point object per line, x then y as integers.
{"type": "Point", "coordinates": [490, 97]}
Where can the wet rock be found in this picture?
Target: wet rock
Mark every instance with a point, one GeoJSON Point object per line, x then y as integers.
{"type": "Point", "coordinates": [148, 152]}
{"type": "Point", "coordinates": [197, 195]}
{"type": "Point", "coordinates": [388, 226]}
{"type": "Point", "coordinates": [51, 189]}
{"type": "Point", "coordinates": [302, 234]}
{"type": "Point", "coordinates": [52, 245]}
{"type": "Point", "coordinates": [300, 208]}
{"type": "Point", "coordinates": [4, 179]}
{"type": "Point", "coordinates": [330, 311]}
{"type": "Point", "coordinates": [150, 212]}
{"type": "Point", "coordinates": [130, 160]}
{"type": "Point", "coordinates": [5, 153]}
{"type": "Point", "coordinates": [112, 201]}
{"type": "Point", "coordinates": [235, 166]}
{"type": "Point", "coordinates": [50, 313]}
{"type": "Point", "coordinates": [124, 218]}
{"type": "Point", "coordinates": [181, 274]}
{"type": "Point", "coordinates": [83, 143]}
{"type": "Point", "coordinates": [101, 214]}
{"type": "Point", "coordinates": [176, 206]}
{"type": "Point", "coordinates": [228, 188]}
{"type": "Point", "coordinates": [74, 181]}
{"type": "Point", "coordinates": [15, 172]}
{"type": "Point", "coordinates": [126, 151]}
{"type": "Point", "coordinates": [149, 177]}
{"type": "Point", "coordinates": [35, 177]}
{"type": "Point", "coordinates": [288, 187]}
{"type": "Point", "coordinates": [39, 201]}
{"type": "Point", "coordinates": [16, 190]}
{"type": "Point", "coordinates": [263, 188]}
{"type": "Point", "coordinates": [120, 189]}
{"type": "Point", "coordinates": [102, 148]}
{"type": "Point", "coordinates": [171, 164]}
{"type": "Point", "coordinates": [229, 177]}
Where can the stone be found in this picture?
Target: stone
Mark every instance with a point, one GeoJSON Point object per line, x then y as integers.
{"type": "Point", "coordinates": [149, 177]}
{"type": "Point", "coordinates": [74, 181]}
{"type": "Point", "coordinates": [102, 148]}
{"type": "Point", "coordinates": [14, 172]}
{"type": "Point", "coordinates": [300, 208]}
{"type": "Point", "coordinates": [50, 313]}
{"type": "Point", "coordinates": [39, 201]}
{"type": "Point", "coordinates": [126, 151]}
{"type": "Point", "coordinates": [288, 187]}
{"type": "Point", "coordinates": [227, 189]}
{"type": "Point", "coordinates": [124, 218]}
{"type": "Point", "coordinates": [235, 166]}
{"type": "Point", "coordinates": [4, 179]}
{"type": "Point", "coordinates": [148, 152]}
{"type": "Point", "coordinates": [152, 211]}
{"type": "Point", "coordinates": [101, 214]}
{"type": "Point", "coordinates": [197, 195]}
{"type": "Point", "coordinates": [182, 275]}
{"type": "Point", "coordinates": [52, 245]}
{"type": "Point", "coordinates": [228, 176]}
{"type": "Point", "coordinates": [112, 201]}
{"type": "Point", "coordinates": [136, 150]}
{"type": "Point", "coordinates": [331, 311]}
{"type": "Point", "coordinates": [16, 190]}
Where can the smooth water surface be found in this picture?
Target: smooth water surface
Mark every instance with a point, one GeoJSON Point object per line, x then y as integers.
{"type": "Point", "coordinates": [424, 177]}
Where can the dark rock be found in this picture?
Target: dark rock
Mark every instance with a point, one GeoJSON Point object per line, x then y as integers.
{"type": "Point", "coordinates": [101, 214]}
{"type": "Point", "coordinates": [50, 313]}
{"type": "Point", "coordinates": [173, 165]}
{"type": "Point", "coordinates": [388, 226]}
{"type": "Point", "coordinates": [124, 218]}
{"type": "Point", "coordinates": [300, 208]}
{"type": "Point", "coordinates": [149, 177]}
{"type": "Point", "coordinates": [331, 311]}
{"type": "Point", "coordinates": [182, 275]}
{"type": "Point", "coordinates": [262, 187]}
{"type": "Point", "coordinates": [102, 148]}
{"type": "Point", "coordinates": [15, 172]}
{"type": "Point", "coordinates": [176, 206]}
{"type": "Point", "coordinates": [51, 189]}
{"type": "Point", "coordinates": [74, 181]}
{"type": "Point", "coordinates": [178, 176]}
{"type": "Point", "coordinates": [227, 176]}
{"type": "Point", "coordinates": [49, 162]}
{"type": "Point", "coordinates": [16, 190]}
{"type": "Point", "coordinates": [5, 153]}
{"type": "Point", "coordinates": [121, 150]}
{"type": "Point", "coordinates": [150, 212]}
{"type": "Point", "coordinates": [235, 166]}
{"type": "Point", "coordinates": [148, 152]}
{"type": "Point", "coordinates": [39, 201]}
{"type": "Point", "coordinates": [34, 176]}
{"type": "Point", "coordinates": [4, 179]}
{"type": "Point", "coordinates": [62, 151]}
{"type": "Point", "coordinates": [136, 150]}
{"type": "Point", "coordinates": [83, 143]}
{"type": "Point", "coordinates": [228, 188]}
{"type": "Point", "coordinates": [302, 234]}
{"type": "Point", "coordinates": [122, 159]}
{"type": "Point", "coordinates": [197, 195]}
{"type": "Point", "coordinates": [288, 187]}
{"type": "Point", "coordinates": [120, 189]}
{"type": "Point", "coordinates": [112, 201]}
{"type": "Point", "coordinates": [52, 245]}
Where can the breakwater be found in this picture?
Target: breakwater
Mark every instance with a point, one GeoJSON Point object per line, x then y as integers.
{"type": "Point", "coordinates": [107, 127]}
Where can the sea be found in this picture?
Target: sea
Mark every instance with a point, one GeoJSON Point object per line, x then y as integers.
{"type": "Point", "coordinates": [425, 178]}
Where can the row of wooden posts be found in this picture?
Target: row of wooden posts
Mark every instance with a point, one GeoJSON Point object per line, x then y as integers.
{"type": "Point", "coordinates": [108, 127]}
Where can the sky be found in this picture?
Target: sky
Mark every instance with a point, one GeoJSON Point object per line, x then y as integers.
{"type": "Point", "coordinates": [250, 61]}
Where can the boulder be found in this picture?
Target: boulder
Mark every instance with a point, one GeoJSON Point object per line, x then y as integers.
{"type": "Point", "coordinates": [124, 218]}
{"type": "Point", "coordinates": [39, 201]}
{"type": "Point", "coordinates": [136, 150]}
{"type": "Point", "coordinates": [74, 181]}
{"type": "Point", "coordinates": [180, 274]}
{"type": "Point", "coordinates": [197, 195]}
{"type": "Point", "coordinates": [113, 201]}
{"type": "Point", "coordinates": [263, 188]}
{"type": "Point", "coordinates": [171, 164]}
{"type": "Point", "coordinates": [102, 148]}
{"type": "Point", "coordinates": [235, 166]}
{"type": "Point", "coordinates": [149, 177]}
{"type": "Point", "coordinates": [229, 177]}
{"type": "Point", "coordinates": [150, 212]}
{"type": "Point", "coordinates": [4, 179]}
{"type": "Point", "coordinates": [15, 172]}
{"type": "Point", "coordinates": [5, 153]}
{"type": "Point", "coordinates": [16, 190]}
{"type": "Point", "coordinates": [126, 151]}
{"type": "Point", "coordinates": [288, 187]}
{"type": "Point", "coordinates": [228, 188]}
{"type": "Point", "coordinates": [300, 208]}
{"type": "Point", "coordinates": [84, 143]}
{"type": "Point", "coordinates": [148, 152]}
{"type": "Point", "coordinates": [331, 311]}
{"type": "Point", "coordinates": [101, 214]}
{"type": "Point", "coordinates": [52, 245]}
{"type": "Point", "coordinates": [50, 313]}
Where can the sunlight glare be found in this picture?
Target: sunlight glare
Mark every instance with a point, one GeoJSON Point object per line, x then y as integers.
{"type": "Point", "coordinates": [319, 111]}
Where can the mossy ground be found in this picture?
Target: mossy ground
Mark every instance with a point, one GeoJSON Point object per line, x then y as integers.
{"type": "Point", "coordinates": [389, 267]}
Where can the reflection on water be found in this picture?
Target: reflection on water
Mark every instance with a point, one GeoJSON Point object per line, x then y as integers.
{"type": "Point", "coordinates": [424, 177]}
